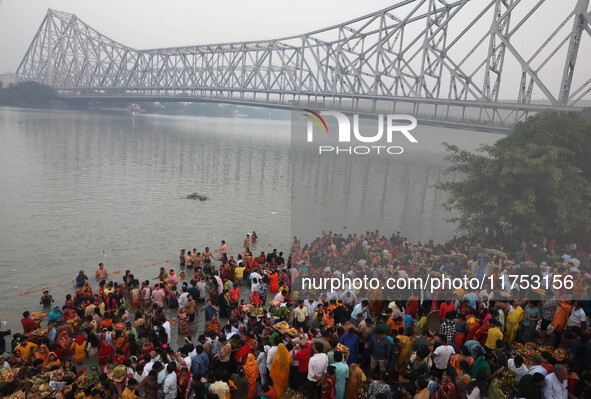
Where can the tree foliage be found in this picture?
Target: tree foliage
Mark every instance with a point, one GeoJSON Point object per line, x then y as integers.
{"type": "Point", "coordinates": [533, 183]}
{"type": "Point", "coordinates": [27, 94]}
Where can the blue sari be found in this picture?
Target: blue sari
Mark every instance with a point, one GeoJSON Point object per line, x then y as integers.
{"type": "Point", "coordinates": [55, 314]}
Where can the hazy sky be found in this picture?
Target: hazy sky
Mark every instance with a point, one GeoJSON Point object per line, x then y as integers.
{"type": "Point", "coordinates": [167, 23]}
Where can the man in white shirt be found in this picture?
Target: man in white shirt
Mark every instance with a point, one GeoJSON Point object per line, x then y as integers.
{"type": "Point", "coordinates": [191, 348]}
{"type": "Point", "coordinates": [311, 306]}
{"type": "Point", "coordinates": [348, 296]}
{"type": "Point", "coordinates": [202, 287]}
{"type": "Point", "coordinates": [183, 297]}
{"type": "Point", "coordinates": [184, 355]}
{"type": "Point", "coordinates": [577, 315]}
{"type": "Point", "coordinates": [166, 326]}
{"type": "Point", "coordinates": [441, 356]}
{"type": "Point", "coordinates": [556, 384]}
{"type": "Point", "coordinates": [270, 356]}
{"type": "Point", "coordinates": [169, 387]}
{"type": "Point", "coordinates": [161, 370]}
{"type": "Point", "coordinates": [220, 283]}
{"type": "Point", "coordinates": [537, 360]}
{"type": "Point", "coordinates": [254, 275]}
{"type": "Point", "coordinates": [149, 363]}
{"type": "Point", "coordinates": [254, 287]}
{"type": "Point", "coordinates": [516, 365]}
{"type": "Point", "coordinates": [360, 308]}
{"type": "Point", "coordinates": [279, 297]}
{"type": "Point", "coordinates": [316, 368]}
{"type": "Point", "coordinates": [139, 375]}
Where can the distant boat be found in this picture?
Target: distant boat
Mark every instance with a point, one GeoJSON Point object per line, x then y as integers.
{"type": "Point", "coordinates": [238, 114]}
{"type": "Point", "coordinates": [135, 109]}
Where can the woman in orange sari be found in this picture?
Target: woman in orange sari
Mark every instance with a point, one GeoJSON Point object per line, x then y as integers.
{"type": "Point", "coordinates": [214, 325]}
{"type": "Point", "coordinates": [251, 370]}
{"type": "Point", "coordinates": [52, 360]}
{"type": "Point", "coordinates": [560, 319]}
{"type": "Point", "coordinates": [121, 342]}
{"type": "Point", "coordinates": [279, 371]}
{"type": "Point", "coordinates": [328, 320]}
{"type": "Point", "coordinates": [43, 354]}
{"type": "Point", "coordinates": [274, 283]}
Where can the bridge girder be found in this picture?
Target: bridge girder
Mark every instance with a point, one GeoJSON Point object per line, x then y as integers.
{"type": "Point", "coordinates": [415, 49]}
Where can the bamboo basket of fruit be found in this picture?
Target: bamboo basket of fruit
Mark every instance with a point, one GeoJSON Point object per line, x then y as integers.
{"type": "Point", "coordinates": [281, 327]}
{"type": "Point", "coordinates": [37, 317]}
{"type": "Point", "coordinates": [39, 333]}
{"type": "Point", "coordinates": [8, 375]}
{"type": "Point", "coordinates": [118, 374]}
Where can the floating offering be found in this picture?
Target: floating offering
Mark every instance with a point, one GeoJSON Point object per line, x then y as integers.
{"type": "Point", "coordinates": [195, 196]}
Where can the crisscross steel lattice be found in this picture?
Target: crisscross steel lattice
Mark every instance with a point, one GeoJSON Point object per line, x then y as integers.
{"type": "Point", "coordinates": [420, 56]}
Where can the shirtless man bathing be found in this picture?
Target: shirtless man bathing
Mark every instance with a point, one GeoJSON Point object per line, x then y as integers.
{"type": "Point", "coordinates": [101, 272]}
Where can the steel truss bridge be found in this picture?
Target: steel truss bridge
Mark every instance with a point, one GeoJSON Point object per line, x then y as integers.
{"type": "Point", "coordinates": [447, 62]}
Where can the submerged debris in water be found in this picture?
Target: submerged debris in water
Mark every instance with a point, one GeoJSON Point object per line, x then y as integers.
{"type": "Point", "coordinates": [195, 196]}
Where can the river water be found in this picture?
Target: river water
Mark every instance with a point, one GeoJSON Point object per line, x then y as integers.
{"type": "Point", "coordinates": [81, 188]}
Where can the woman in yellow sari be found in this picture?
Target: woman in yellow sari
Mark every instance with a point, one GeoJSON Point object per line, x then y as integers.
{"type": "Point", "coordinates": [251, 370]}
{"type": "Point", "coordinates": [87, 290]}
{"type": "Point", "coordinates": [512, 323]}
{"type": "Point", "coordinates": [406, 349]}
{"type": "Point", "coordinates": [279, 371]}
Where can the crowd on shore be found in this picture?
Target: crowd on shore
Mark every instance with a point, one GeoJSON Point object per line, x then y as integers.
{"type": "Point", "coordinates": [259, 337]}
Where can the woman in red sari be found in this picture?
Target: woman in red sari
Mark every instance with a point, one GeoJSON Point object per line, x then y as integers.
{"type": "Point", "coordinates": [482, 334]}
{"type": "Point", "coordinates": [64, 341]}
{"type": "Point", "coordinates": [447, 389]}
{"type": "Point", "coordinates": [412, 305]}
{"type": "Point", "coordinates": [148, 346]}
{"type": "Point", "coordinates": [274, 283]}
{"type": "Point", "coordinates": [242, 353]}
{"type": "Point", "coordinates": [105, 352]}
{"type": "Point", "coordinates": [119, 357]}
{"type": "Point", "coordinates": [183, 379]}
{"type": "Point", "coordinates": [261, 259]}
{"type": "Point", "coordinates": [255, 299]}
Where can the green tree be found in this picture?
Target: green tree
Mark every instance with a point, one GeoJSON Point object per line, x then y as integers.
{"type": "Point", "coordinates": [535, 182]}
{"type": "Point", "coordinates": [27, 94]}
